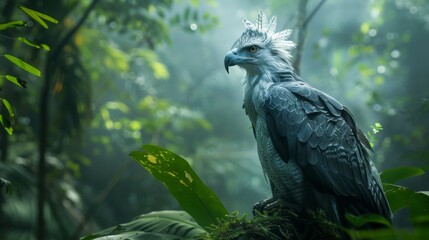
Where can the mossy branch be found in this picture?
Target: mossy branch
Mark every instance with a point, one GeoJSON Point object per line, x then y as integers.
{"type": "Point", "coordinates": [284, 225]}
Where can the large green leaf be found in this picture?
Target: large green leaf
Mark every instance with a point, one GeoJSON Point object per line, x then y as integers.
{"type": "Point", "coordinates": [165, 225]}
{"type": "Point", "coordinates": [175, 172]}
{"type": "Point", "coordinates": [394, 175]}
{"type": "Point", "coordinates": [419, 209]}
{"type": "Point", "coordinates": [398, 196]}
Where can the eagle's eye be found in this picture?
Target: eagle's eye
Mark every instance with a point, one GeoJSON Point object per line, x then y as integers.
{"type": "Point", "coordinates": [253, 48]}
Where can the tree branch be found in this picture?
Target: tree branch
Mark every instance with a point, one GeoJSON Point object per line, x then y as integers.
{"type": "Point", "coordinates": [302, 32]}
{"type": "Point", "coordinates": [302, 24]}
{"type": "Point", "coordinates": [315, 10]}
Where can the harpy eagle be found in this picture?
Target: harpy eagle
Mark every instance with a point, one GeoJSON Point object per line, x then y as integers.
{"type": "Point", "coordinates": [308, 143]}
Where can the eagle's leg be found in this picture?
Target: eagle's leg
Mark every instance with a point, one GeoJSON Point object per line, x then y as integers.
{"type": "Point", "coordinates": [274, 204]}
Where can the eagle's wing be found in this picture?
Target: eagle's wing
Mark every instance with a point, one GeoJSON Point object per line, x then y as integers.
{"type": "Point", "coordinates": [315, 130]}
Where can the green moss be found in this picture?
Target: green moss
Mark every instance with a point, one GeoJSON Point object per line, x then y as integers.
{"type": "Point", "coordinates": [284, 225]}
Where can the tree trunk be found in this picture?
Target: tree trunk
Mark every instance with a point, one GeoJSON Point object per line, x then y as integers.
{"type": "Point", "coordinates": [44, 120]}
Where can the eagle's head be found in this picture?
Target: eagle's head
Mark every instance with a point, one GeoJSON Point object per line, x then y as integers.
{"type": "Point", "coordinates": [260, 48]}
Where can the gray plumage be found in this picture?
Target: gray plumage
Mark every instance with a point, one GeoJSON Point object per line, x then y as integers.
{"type": "Point", "coordinates": [308, 143]}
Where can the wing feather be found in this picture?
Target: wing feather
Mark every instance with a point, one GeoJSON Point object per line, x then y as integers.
{"type": "Point", "coordinates": [315, 130]}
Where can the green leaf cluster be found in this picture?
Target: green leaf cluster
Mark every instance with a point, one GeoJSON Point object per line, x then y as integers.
{"type": "Point", "coordinates": [39, 18]}
{"type": "Point", "coordinates": [399, 197]}
{"type": "Point", "coordinates": [376, 128]}
{"type": "Point", "coordinates": [402, 197]}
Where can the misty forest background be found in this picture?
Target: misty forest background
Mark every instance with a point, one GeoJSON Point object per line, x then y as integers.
{"type": "Point", "coordinates": [125, 73]}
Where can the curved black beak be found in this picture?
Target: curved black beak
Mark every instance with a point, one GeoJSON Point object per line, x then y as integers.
{"type": "Point", "coordinates": [230, 59]}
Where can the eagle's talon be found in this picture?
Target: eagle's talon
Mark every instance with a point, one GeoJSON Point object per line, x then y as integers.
{"type": "Point", "coordinates": [261, 206]}
{"type": "Point", "coordinates": [272, 205]}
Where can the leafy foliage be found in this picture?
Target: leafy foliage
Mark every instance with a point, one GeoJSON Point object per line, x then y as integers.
{"type": "Point", "coordinates": [166, 225]}
{"type": "Point", "coordinates": [185, 185]}
{"type": "Point", "coordinates": [19, 207]}
{"type": "Point", "coordinates": [376, 128]}
{"type": "Point", "coordinates": [201, 203]}
{"type": "Point", "coordinates": [399, 197]}
{"type": "Point", "coordinates": [39, 17]}
{"type": "Point", "coordinates": [393, 175]}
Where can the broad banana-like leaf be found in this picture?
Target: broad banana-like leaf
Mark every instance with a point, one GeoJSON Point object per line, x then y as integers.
{"type": "Point", "coordinates": [175, 172]}
{"type": "Point", "coordinates": [162, 225]}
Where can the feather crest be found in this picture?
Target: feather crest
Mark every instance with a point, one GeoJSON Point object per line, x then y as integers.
{"type": "Point", "coordinates": [264, 32]}
{"type": "Point", "coordinates": [264, 26]}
